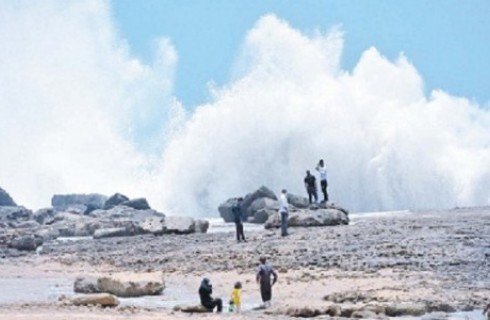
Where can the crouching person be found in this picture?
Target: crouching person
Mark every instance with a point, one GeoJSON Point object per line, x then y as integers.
{"type": "Point", "coordinates": [205, 291]}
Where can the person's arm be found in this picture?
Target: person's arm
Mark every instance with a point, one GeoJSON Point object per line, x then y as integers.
{"type": "Point", "coordinates": [257, 277]}
{"type": "Point", "coordinates": [274, 276]}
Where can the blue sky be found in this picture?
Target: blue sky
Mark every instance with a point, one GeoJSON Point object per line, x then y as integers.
{"type": "Point", "coordinates": [448, 41]}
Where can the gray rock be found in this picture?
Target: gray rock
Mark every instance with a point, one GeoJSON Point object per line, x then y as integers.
{"type": "Point", "coordinates": [15, 213]}
{"type": "Point", "coordinates": [100, 299]}
{"type": "Point", "coordinates": [260, 204]}
{"type": "Point", "coordinates": [298, 201]}
{"type": "Point", "coordinates": [262, 192]}
{"type": "Point", "coordinates": [45, 216]}
{"type": "Point", "coordinates": [201, 226]}
{"type": "Point", "coordinates": [138, 204]}
{"type": "Point", "coordinates": [47, 233]}
{"type": "Point", "coordinates": [262, 215]}
{"type": "Point", "coordinates": [74, 225]}
{"type": "Point", "coordinates": [79, 209]}
{"type": "Point", "coordinates": [112, 232]}
{"type": "Point", "coordinates": [117, 287]}
{"type": "Point", "coordinates": [30, 224]}
{"type": "Point", "coordinates": [6, 199]}
{"type": "Point", "coordinates": [179, 225]}
{"type": "Point", "coordinates": [135, 221]}
{"type": "Point", "coordinates": [115, 200]}
{"type": "Point", "coordinates": [154, 225]}
{"type": "Point", "coordinates": [406, 309]}
{"type": "Point", "coordinates": [86, 285]}
{"type": "Point", "coordinates": [92, 201]}
{"type": "Point", "coordinates": [225, 210]}
{"type": "Point", "coordinates": [26, 243]}
{"type": "Point", "coordinates": [310, 218]}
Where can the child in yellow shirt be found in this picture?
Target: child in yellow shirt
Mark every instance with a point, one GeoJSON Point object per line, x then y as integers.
{"type": "Point", "coordinates": [235, 297]}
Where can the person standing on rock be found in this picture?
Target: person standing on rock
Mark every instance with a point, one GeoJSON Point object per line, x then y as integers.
{"type": "Point", "coordinates": [283, 211]}
{"type": "Point", "coordinates": [264, 273]}
{"type": "Point", "coordinates": [310, 185]}
{"type": "Point", "coordinates": [322, 169]}
{"type": "Point", "coordinates": [239, 219]}
{"type": "Point", "coordinates": [205, 291]}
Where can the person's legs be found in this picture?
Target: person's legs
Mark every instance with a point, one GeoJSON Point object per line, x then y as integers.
{"type": "Point", "coordinates": [324, 190]}
{"type": "Point", "coordinates": [315, 195]}
{"type": "Point", "coordinates": [219, 304]}
{"type": "Point", "coordinates": [240, 232]}
{"type": "Point", "coordinates": [309, 197]}
{"type": "Point", "coordinates": [326, 193]}
{"type": "Point", "coordinates": [266, 293]}
{"type": "Point", "coordinates": [237, 228]}
{"type": "Point", "coordinates": [284, 224]}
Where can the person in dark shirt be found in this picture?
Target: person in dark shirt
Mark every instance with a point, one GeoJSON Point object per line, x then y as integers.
{"type": "Point", "coordinates": [205, 291]}
{"type": "Point", "coordinates": [239, 219]}
{"type": "Point", "coordinates": [264, 273]}
{"type": "Point", "coordinates": [310, 185]}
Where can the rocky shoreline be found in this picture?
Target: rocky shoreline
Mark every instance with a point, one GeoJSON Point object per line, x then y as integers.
{"type": "Point", "coordinates": [426, 264]}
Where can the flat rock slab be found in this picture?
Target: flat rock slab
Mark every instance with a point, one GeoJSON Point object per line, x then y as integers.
{"type": "Point", "coordinates": [118, 287]}
{"type": "Point", "coordinates": [101, 299]}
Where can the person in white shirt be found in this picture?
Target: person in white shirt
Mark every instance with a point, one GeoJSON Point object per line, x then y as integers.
{"type": "Point", "coordinates": [283, 211]}
{"type": "Point", "coordinates": [322, 169]}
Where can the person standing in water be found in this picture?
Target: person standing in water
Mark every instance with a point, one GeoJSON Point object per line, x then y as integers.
{"type": "Point", "coordinates": [322, 169]}
{"type": "Point", "coordinates": [264, 274]}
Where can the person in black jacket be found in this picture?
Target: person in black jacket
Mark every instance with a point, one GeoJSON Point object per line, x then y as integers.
{"type": "Point", "coordinates": [205, 291]}
{"type": "Point", "coordinates": [239, 218]}
{"type": "Point", "coordinates": [310, 185]}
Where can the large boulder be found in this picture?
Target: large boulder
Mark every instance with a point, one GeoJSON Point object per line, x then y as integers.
{"type": "Point", "coordinates": [138, 204]}
{"type": "Point", "coordinates": [298, 201]}
{"type": "Point", "coordinates": [100, 299]}
{"type": "Point", "coordinates": [45, 216]}
{"type": "Point", "coordinates": [91, 201]}
{"type": "Point", "coordinates": [26, 243]}
{"type": "Point", "coordinates": [15, 214]}
{"type": "Point", "coordinates": [6, 199]}
{"type": "Point", "coordinates": [225, 210]}
{"type": "Point", "coordinates": [310, 218]}
{"type": "Point", "coordinates": [260, 204]}
{"type": "Point", "coordinates": [262, 192]}
{"type": "Point", "coordinates": [118, 287]}
{"type": "Point", "coordinates": [74, 225]}
{"type": "Point", "coordinates": [201, 226]}
{"type": "Point", "coordinates": [134, 220]}
{"type": "Point", "coordinates": [114, 200]}
{"type": "Point", "coordinates": [262, 215]}
{"type": "Point", "coordinates": [179, 225]}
